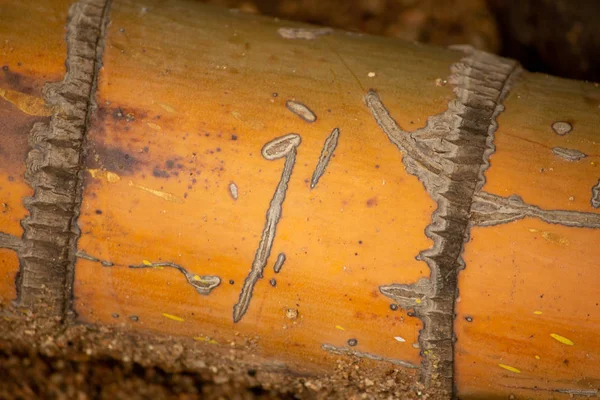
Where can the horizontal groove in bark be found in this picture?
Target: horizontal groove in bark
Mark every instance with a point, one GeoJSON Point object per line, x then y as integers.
{"type": "Point", "coordinates": [54, 169]}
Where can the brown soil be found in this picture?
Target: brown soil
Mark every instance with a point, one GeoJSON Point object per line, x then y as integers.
{"type": "Point", "coordinates": [44, 359]}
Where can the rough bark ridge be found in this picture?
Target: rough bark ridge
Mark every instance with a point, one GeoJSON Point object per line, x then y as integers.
{"type": "Point", "coordinates": [449, 156]}
{"type": "Point", "coordinates": [55, 168]}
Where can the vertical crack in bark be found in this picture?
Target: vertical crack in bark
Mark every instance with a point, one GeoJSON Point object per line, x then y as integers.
{"type": "Point", "coordinates": [449, 156]}
{"type": "Point", "coordinates": [55, 168]}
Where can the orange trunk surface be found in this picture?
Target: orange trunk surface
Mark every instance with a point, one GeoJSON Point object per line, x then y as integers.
{"type": "Point", "coordinates": [318, 194]}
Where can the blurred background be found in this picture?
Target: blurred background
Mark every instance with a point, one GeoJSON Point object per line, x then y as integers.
{"type": "Point", "coordinates": [559, 37]}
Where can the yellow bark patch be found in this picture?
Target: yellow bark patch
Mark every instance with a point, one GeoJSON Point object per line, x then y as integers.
{"type": "Point", "coordinates": [30, 105]}
{"type": "Point", "coordinates": [552, 237]}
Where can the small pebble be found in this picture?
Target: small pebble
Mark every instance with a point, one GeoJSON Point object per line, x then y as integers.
{"type": "Point", "coordinates": [352, 342]}
{"type": "Point", "coordinates": [134, 318]}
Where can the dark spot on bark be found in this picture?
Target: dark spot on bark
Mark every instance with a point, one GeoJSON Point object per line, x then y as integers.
{"type": "Point", "coordinates": [170, 164]}
{"type": "Point", "coordinates": [372, 202]}
{"type": "Point", "coordinates": [11, 178]}
{"type": "Point", "coordinates": [146, 149]}
{"type": "Point", "coordinates": [98, 212]}
{"type": "Point", "coordinates": [360, 242]}
{"type": "Point", "coordinates": [22, 83]}
{"type": "Point", "coordinates": [566, 362]}
{"type": "Point", "coordinates": [234, 137]}
{"type": "Point", "coordinates": [252, 372]}
{"type": "Point", "coordinates": [112, 159]}
{"type": "Point", "coordinates": [160, 173]}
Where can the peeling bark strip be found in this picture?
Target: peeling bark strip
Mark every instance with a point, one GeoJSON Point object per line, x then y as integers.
{"type": "Point", "coordinates": [326, 154]}
{"type": "Point", "coordinates": [279, 263]}
{"type": "Point", "coordinates": [569, 154]}
{"type": "Point", "coordinates": [204, 284]}
{"type": "Point", "coordinates": [55, 167]}
{"type": "Point", "coordinates": [281, 147]}
{"type": "Point", "coordinates": [449, 156]}
{"type": "Point", "coordinates": [596, 195]}
{"type": "Point", "coordinates": [490, 209]}
{"type": "Point", "coordinates": [85, 256]}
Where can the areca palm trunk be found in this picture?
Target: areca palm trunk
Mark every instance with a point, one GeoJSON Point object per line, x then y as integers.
{"type": "Point", "coordinates": [182, 170]}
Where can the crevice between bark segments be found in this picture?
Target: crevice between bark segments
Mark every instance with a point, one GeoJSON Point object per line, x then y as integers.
{"type": "Point", "coordinates": [55, 167]}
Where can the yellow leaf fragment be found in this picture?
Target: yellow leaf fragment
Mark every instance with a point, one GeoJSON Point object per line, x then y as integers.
{"type": "Point", "coordinates": [166, 107]}
{"type": "Point", "coordinates": [339, 327]}
{"type": "Point", "coordinates": [110, 177]}
{"type": "Point", "coordinates": [537, 312]}
{"type": "Point", "coordinates": [173, 317]}
{"type": "Point", "coordinates": [562, 339]}
{"type": "Point", "coordinates": [146, 262]}
{"type": "Point", "coordinates": [154, 126]}
{"type": "Point", "coordinates": [162, 195]}
{"type": "Point", "coordinates": [509, 368]}
{"type": "Point", "coordinates": [206, 339]}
